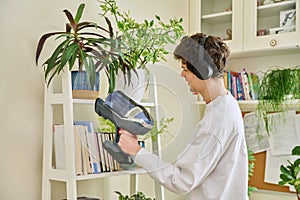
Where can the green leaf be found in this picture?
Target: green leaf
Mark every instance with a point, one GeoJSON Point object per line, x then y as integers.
{"type": "Point", "coordinates": [296, 171]}
{"type": "Point", "coordinates": [79, 13]}
{"type": "Point", "coordinates": [284, 170]}
{"type": "Point", "coordinates": [286, 177]}
{"type": "Point", "coordinates": [68, 53]}
{"type": "Point", "coordinates": [282, 183]}
{"type": "Point", "coordinates": [89, 68]}
{"type": "Point", "coordinates": [296, 151]}
{"type": "Point", "coordinates": [42, 42]}
{"type": "Point", "coordinates": [297, 162]}
{"type": "Point", "coordinates": [54, 59]}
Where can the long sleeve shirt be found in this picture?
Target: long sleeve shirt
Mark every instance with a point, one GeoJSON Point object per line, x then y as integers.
{"type": "Point", "coordinates": [214, 164]}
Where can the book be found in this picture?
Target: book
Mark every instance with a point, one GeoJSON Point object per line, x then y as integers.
{"type": "Point", "coordinates": [101, 152]}
{"type": "Point", "coordinates": [246, 84]}
{"type": "Point", "coordinates": [255, 86]}
{"type": "Point", "coordinates": [106, 158]}
{"type": "Point", "coordinates": [91, 145]}
{"type": "Point", "coordinates": [78, 153]}
{"type": "Point", "coordinates": [239, 89]}
{"type": "Point", "coordinates": [234, 86]}
{"type": "Point", "coordinates": [226, 80]}
{"type": "Point", "coordinates": [86, 164]}
{"type": "Point", "coordinates": [59, 148]}
{"type": "Point", "coordinates": [229, 80]}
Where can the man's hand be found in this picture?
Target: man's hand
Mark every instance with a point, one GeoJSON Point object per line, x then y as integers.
{"type": "Point", "coordinates": [128, 142]}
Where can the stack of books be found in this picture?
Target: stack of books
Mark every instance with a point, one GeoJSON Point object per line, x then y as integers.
{"type": "Point", "coordinates": [90, 156]}
{"type": "Point", "coordinates": [243, 85]}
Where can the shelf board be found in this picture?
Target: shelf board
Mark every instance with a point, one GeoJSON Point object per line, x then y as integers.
{"type": "Point", "coordinates": [83, 101]}
{"type": "Point", "coordinates": [251, 105]}
{"type": "Point", "coordinates": [275, 8]}
{"type": "Point", "coordinates": [109, 174]}
{"type": "Point", "coordinates": [60, 175]}
{"type": "Point", "coordinates": [88, 101]}
{"type": "Point", "coordinates": [217, 17]}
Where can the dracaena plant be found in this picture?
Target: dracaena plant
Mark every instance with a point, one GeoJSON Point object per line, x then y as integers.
{"type": "Point", "coordinates": [146, 41]}
{"type": "Point", "coordinates": [290, 174]}
{"type": "Point", "coordinates": [92, 46]}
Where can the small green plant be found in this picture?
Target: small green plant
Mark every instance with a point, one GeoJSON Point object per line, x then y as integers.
{"type": "Point", "coordinates": [290, 174]}
{"type": "Point", "coordinates": [105, 125]}
{"type": "Point", "coordinates": [251, 160]}
{"type": "Point", "coordinates": [153, 134]}
{"type": "Point", "coordinates": [137, 196]}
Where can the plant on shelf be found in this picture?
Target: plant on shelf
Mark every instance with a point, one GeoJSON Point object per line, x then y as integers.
{"type": "Point", "coordinates": [105, 125]}
{"type": "Point", "coordinates": [290, 174]}
{"type": "Point", "coordinates": [92, 46]}
{"type": "Point", "coordinates": [277, 89]}
{"type": "Point", "coordinates": [251, 160]}
{"type": "Point", "coordinates": [145, 41]}
{"type": "Point", "coordinates": [157, 130]}
{"type": "Point", "coordinates": [137, 196]}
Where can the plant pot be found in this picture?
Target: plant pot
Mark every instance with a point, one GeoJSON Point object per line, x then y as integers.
{"type": "Point", "coordinates": [137, 86]}
{"type": "Point", "coordinates": [81, 87]}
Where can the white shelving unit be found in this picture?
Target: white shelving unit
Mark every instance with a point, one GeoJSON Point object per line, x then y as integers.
{"type": "Point", "coordinates": [63, 98]}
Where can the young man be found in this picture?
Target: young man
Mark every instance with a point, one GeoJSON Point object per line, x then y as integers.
{"type": "Point", "coordinates": [214, 165]}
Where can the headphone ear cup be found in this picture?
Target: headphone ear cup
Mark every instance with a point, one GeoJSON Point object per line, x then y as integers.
{"type": "Point", "coordinates": [204, 71]}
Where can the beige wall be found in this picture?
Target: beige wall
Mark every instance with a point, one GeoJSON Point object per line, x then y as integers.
{"type": "Point", "coordinates": [21, 100]}
{"type": "Point", "coordinates": [21, 86]}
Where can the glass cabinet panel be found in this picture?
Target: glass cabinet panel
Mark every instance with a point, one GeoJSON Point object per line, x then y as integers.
{"type": "Point", "coordinates": [271, 23]}
{"type": "Point", "coordinates": [222, 18]}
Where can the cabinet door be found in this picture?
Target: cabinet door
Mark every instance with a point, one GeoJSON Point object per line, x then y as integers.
{"type": "Point", "coordinates": [222, 18]}
{"type": "Point", "coordinates": [271, 26]}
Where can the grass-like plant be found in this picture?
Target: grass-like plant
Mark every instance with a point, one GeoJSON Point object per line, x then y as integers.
{"type": "Point", "coordinates": [277, 88]}
{"type": "Point", "coordinates": [251, 160]}
{"type": "Point", "coordinates": [290, 174]}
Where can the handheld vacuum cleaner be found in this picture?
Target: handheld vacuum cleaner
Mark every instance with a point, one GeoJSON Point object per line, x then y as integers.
{"type": "Point", "coordinates": [126, 114]}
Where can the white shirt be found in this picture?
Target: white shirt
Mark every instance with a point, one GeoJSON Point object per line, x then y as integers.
{"type": "Point", "coordinates": [214, 165]}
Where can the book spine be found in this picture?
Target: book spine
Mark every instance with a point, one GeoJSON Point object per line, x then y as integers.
{"type": "Point", "coordinates": [242, 85]}
{"type": "Point", "coordinates": [246, 84]}
{"type": "Point", "coordinates": [234, 86]}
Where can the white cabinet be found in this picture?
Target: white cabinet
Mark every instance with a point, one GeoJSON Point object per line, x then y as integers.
{"type": "Point", "coordinates": [60, 107]}
{"type": "Point", "coordinates": [262, 27]}
{"type": "Point", "coordinates": [249, 22]}
{"type": "Point", "coordinates": [218, 18]}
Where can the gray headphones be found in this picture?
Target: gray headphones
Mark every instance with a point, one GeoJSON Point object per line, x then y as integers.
{"type": "Point", "coordinates": [195, 53]}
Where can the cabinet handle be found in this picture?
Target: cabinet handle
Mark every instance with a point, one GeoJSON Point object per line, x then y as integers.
{"type": "Point", "coordinates": [273, 42]}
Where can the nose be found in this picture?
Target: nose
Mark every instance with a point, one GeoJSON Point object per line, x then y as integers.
{"type": "Point", "coordinates": [182, 74]}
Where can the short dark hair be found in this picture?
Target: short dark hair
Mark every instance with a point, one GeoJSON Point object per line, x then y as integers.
{"type": "Point", "coordinates": [216, 49]}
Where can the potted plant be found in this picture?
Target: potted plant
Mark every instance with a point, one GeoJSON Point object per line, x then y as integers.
{"type": "Point", "coordinates": [92, 46]}
{"type": "Point", "coordinates": [277, 89]}
{"type": "Point", "coordinates": [137, 196]}
{"type": "Point", "coordinates": [145, 42]}
{"type": "Point", "coordinates": [163, 125]}
{"type": "Point", "coordinates": [290, 173]}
